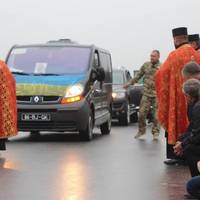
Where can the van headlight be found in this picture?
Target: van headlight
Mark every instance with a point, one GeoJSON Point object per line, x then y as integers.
{"type": "Point", "coordinates": [73, 94]}
{"type": "Point", "coordinates": [74, 90]}
{"type": "Point", "coordinates": [118, 95]}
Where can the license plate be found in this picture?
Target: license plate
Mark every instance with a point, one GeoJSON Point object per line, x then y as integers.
{"type": "Point", "coordinates": [35, 117]}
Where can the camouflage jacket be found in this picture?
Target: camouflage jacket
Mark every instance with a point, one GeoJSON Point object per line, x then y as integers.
{"type": "Point", "coordinates": [147, 72]}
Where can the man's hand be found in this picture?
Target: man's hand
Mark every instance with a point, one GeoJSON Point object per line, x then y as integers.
{"type": "Point", "coordinates": [198, 165]}
{"type": "Point", "coordinates": [126, 85]}
{"type": "Point", "coordinates": [178, 149]}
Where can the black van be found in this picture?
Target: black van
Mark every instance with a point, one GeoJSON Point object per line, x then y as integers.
{"type": "Point", "coordinates": [62, 86]}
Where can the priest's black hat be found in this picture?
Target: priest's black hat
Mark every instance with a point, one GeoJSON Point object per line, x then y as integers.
{"type": "Point", "coordinates": [193, 38]}
{"type": "Point", "coordinates": [179, 31]}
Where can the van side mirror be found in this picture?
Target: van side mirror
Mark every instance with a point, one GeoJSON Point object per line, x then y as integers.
{"type": "Point", "coordinates": [98, 74]}
{"type": "Point", "coordinates": [93, 75]}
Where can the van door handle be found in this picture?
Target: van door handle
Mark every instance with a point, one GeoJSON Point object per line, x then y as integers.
{"type": "Point", "coordinates": [97, 91]}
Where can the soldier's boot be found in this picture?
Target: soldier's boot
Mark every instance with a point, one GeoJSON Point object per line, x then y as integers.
{"type": "Point", "coordinates": [141, 132]}
{"type": "Point", "coordinates": [138, 135]}
{"type": "Point", "coordinates": [155, 136]}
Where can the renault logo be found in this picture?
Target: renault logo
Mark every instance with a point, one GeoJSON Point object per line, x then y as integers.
{"type": "Point", "coordinates": [36, 99]}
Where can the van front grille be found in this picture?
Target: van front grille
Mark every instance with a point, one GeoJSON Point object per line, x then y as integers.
{"type": "Point", "coordinates": [44, 99]}
{"type": "Point", "coordinates": [50, 98]}
{"type": "Point", "coordinates": [24, 98]}
{"type": "Point", "coordinates": [47, 126]}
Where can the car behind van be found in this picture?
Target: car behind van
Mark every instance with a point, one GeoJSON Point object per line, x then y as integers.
{"type": "Point", "coordinates": [62, 86]}
{"type": "Point", "coordinates": [124, 108]}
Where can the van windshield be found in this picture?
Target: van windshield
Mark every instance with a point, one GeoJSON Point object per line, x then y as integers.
{"type": "Point", "coordinates": [49, 60]}
{"type": "Point", "coordinates": [118, 77]}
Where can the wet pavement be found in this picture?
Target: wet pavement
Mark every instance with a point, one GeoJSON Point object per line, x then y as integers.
{"type": "Point", "coordinates": [113, 167]}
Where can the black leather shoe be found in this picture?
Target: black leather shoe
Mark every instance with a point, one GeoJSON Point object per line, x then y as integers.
{"type": "Point", "coordinates": [175, 162]}
{"type": "Point", "coordinates": [188, 196]}
{"type": "Point", "coordinates": [171, 162]}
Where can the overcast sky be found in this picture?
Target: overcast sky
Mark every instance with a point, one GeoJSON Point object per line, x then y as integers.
{"type": "Point", "coordinates": [129, 29]}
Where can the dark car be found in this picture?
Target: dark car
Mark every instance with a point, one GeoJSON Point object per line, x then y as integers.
{"type": "Point", "coordinates": [62, 86]}
{"type": "Point", "coordinates": [123, 107]}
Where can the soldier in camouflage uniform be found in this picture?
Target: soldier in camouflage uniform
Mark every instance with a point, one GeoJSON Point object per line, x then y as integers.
{"type": "Point", "coordinates": [148, 100]}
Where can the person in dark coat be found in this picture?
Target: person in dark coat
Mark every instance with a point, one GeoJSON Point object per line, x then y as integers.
{"type": "Point", "coordinates": [188, 144]}
{"type": "Point", "coordinates": [191, 70]}
{"type": "Point", "coordinates": [193, 186]}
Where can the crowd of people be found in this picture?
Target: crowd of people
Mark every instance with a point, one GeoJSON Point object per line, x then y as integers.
{"type": "Point", "coordinates": [172, 89]}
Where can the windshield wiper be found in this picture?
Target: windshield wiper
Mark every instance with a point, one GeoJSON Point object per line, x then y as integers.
{"type": "Point", "coordinates": [33, 74]}
{"type": "Point", "coordinates": [20, 73]}
{"type": "Point", "coordinates": [50, 74]}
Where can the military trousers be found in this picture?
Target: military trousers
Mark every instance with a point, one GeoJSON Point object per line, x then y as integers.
{"type": "Point", "coordinates": [147, 105]}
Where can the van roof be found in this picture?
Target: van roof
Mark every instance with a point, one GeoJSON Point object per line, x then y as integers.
{"type": "Point", "coordinates": [61, 43]}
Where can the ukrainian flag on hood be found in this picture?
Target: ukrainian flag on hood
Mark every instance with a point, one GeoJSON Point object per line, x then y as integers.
{"type": "Point", "coordinates": [30, 85]}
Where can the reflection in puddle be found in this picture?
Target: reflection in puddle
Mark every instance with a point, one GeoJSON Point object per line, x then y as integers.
{"type": "Point", "coordinates": [74, 179]}
{"type": "Point", "coordinates": [9, 165]}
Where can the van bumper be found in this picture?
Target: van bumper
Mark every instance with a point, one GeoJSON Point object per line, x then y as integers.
{"type": "Point", "coordinates": [70, 117]}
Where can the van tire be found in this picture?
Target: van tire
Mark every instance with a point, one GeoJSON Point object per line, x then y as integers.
{"type": "Point", "coordinates": [87, 134]}
{"type": "Point", "coordinates": [134, 117]}
{"type": "Point", "coordinates": [124, 119]}
{"type": "Point", "coordinates": [106, 127]}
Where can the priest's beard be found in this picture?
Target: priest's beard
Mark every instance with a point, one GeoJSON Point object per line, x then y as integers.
{"type": "Point", "coordinates": [179, 45]}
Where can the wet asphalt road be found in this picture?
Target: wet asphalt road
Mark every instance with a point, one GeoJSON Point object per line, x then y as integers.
{"type": "Point", "coordinates": [114, 167]}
